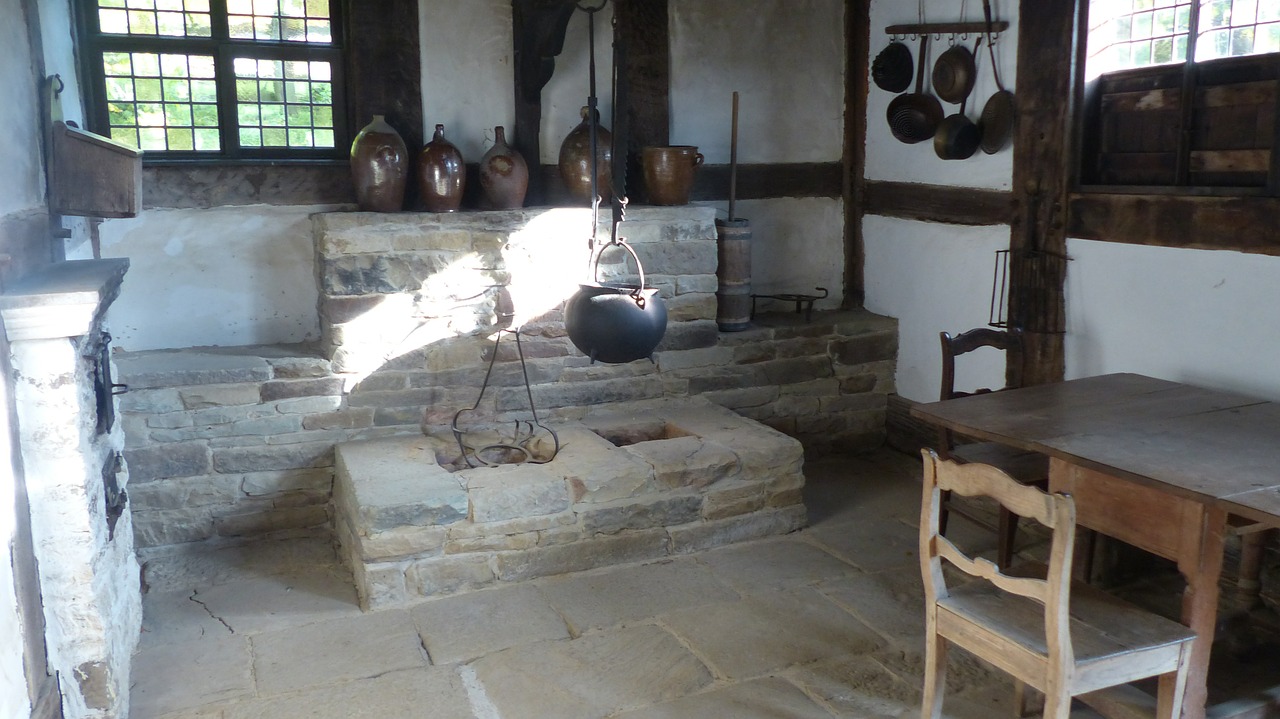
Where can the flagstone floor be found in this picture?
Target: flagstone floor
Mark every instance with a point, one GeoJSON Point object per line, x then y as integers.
{"type": "Point", "coordinates": [826, 622]}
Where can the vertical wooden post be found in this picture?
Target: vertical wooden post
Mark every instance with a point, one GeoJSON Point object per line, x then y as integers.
{"type": "Point", "coordinates": [1047, 44]}
{"type": "Point", "coordinates": [538, 28]}
{"type": "Point", "coordinates": [857, 32]}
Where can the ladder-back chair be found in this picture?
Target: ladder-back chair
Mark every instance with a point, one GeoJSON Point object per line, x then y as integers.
{"type": "Point", "coordinates": [1026, 467]}
{"type": "Point", "coordinates": [1059, 637]}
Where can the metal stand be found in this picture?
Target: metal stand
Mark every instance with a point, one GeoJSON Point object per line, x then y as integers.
{"type": "Point", "coordinates": [523, 433]}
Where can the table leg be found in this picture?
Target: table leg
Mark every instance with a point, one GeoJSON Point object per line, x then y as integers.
{"type": "Point", "coordinates": [1174, 527]}
{"type": "Point", "coordinates": [1201, 565]}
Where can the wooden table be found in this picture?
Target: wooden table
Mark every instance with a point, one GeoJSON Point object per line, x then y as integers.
{"type": "Point", "coordinates": [1153, 463]}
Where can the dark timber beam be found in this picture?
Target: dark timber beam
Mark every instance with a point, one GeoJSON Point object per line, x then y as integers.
{"type": "Point", "coordinates": [538, 30]}
{"type": "Point", "coordinates": [857, 33]}
{"type": "Point", "coordinates": [1244, 224]}
{"type": "Point", "coordinates": [937, 203]}
{"type": "Point", "coordinates": [1038, 240]}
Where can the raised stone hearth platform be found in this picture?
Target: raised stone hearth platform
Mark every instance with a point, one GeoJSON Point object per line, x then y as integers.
{"type": "Point", "coordinates": [632, 482]}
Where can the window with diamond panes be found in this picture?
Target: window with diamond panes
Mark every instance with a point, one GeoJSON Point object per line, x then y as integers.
{"type": "Point", "coordinates": [216, 79]}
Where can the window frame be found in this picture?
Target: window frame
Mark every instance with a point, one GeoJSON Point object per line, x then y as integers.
{"type": "Point", "coordinates": [1089, 116]}
{"type": "Point", "coordinates": [91, 43]}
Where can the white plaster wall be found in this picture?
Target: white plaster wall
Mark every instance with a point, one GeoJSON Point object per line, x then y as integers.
{"type": "Point", "coordinates": [466, 72]}
{"type": "Point", "coordinates": [22, 182]}
{"type": "Point", "coordinates": [785, 58]}
{"type": "Point", "coordinates": [467, 75]}
{"type": "Point", "coordinates": [221, 276]}
{"type": "Point", "coordinates": [796, 245]}
{"type": "Point", "coordinates": [59, 55]}
{"type": "Point", "coordinates": [933, 278]}
{"type": "Point", "coordinates": [21, 189]}
{"type": "Point", "coordinates": [790, 109]}
{"type": "Point", "coordinates": [1198, 316]}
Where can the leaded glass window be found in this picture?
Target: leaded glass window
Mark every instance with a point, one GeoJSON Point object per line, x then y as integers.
{"type": "Point", "coordinates": [216, 79]}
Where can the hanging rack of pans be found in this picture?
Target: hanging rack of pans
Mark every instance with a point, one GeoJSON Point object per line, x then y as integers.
{"type": "Point", "coordinates": [917, 116]}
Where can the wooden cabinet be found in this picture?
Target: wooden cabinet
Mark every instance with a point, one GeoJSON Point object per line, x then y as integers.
{"type": "Point", "coordinates": [1206, 125]}
{"type": "Point", "coordinates": [93, 176]}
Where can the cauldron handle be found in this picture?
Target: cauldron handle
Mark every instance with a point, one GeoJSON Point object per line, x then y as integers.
{"type": "Point", "coordinates": [637, 293]}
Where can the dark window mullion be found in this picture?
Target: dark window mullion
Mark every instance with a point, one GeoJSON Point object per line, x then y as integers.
{"type": "Point", "coordinates": [218, 19]}
{"type": "Point", "coordinates": [1190, 75]}
{"type": "Point", "coordinates": [228, 121]}
{"type": "Point", "coordinates": [228, 124]}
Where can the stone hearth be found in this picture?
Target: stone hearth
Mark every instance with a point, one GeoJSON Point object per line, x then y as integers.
{"type": "Point", "coordinates": [632, 482]}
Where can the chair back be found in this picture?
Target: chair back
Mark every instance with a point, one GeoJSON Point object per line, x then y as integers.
{"type": "Point", "coordinates": [1054, 511]}
{"type": "Point", "coordinates": [1008, 340]}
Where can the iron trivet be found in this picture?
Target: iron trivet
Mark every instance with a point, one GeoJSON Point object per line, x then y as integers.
{"type": "Point", "coordinates": [516, 449]}
{"type": "Point", "coordinates": [804, 302]}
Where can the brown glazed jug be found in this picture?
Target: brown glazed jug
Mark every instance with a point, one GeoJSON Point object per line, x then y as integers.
{"type": "Point", "coordinates": [668, 173]}
{"type": "Point", "coordinates": [575, 160]}
{"type": "Point", "coordinates": [441, 174]}
{"type": "Point", "coordinates": [379, 167]}
{"type": "Point", "coordinates": [504, 175]}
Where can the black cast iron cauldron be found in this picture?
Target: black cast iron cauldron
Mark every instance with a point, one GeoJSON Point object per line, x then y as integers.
{"type": "Point", "coordinates": [616, 322]}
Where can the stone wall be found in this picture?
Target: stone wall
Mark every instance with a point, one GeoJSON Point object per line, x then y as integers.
{"type": "Point", "coordinates": [394, 286]}
{"type": "Point", "coordinates": [233, 442]}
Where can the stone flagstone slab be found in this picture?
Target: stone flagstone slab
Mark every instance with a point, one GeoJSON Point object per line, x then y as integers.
{"type": "Point", "coordinates": [614, 596]}
{"type": "Point", "coordinates": [768, 698]}
{"type": "Point", "coordinates": [265, 604]}
{"type": "Point", "coordinates": [213, 669]}
{"type": "Point", "coordinates": [590, 677]}
{"type": "Point", "coordinates": [461, 628]}
{"type": "Point", "coordinates": [436, 692]}
{"type": "Point", "coordinates": [768, 632]}
{"type": "Point", "coordinates": [173, 617]}
{"type": "Point", "coordinates": [891, 602]}
{"type": "Point", "coordinates": [860, 687]}
{"type": "Point", "coordinates": [336, 650]}
{"type": "Point", "coordinates": [758, 566]}
{"type": "Point", "coordinates": [873, 547]}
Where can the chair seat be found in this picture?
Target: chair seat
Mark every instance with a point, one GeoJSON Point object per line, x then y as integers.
{"type": "Point", "coordinates": [1103, 627]}
{"type": "Point", "coordinates": [1025, 467]}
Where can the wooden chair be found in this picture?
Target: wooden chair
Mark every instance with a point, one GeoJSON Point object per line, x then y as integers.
{"type": "Point", "coordinates": [1060, 638]}
{"type": "Point", "coordinates": [1026, 467]}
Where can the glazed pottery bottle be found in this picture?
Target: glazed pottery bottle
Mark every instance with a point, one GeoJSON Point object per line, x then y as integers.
{"type": "Point", "coordinates": [575, 160]}
{"type": "Point", "coordinates": [441, 174]}
{"type": "Point", "coordinates": [379, 167]}
{"type": "Point", "coordinates": [504, 175]}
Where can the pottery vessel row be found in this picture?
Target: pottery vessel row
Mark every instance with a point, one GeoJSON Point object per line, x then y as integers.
{"type": "Point", "coordinates": [380, 167]}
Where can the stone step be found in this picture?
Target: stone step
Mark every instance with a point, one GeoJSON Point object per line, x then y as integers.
{"type": "Point", "coordinates": [631, 482]}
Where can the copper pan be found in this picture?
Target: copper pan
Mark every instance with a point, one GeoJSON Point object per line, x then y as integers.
{"type": "Point", "coordinates": [1000, 111]}
{"type": "Point", "coordinates": [953, 74]}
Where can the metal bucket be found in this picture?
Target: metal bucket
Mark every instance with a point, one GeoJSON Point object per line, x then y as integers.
{"type": "Point", "coordinates": [733, 298]}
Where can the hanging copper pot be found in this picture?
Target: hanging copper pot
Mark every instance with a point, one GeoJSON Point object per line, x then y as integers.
{"type": "Point", "coordinates": [616, 322]}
